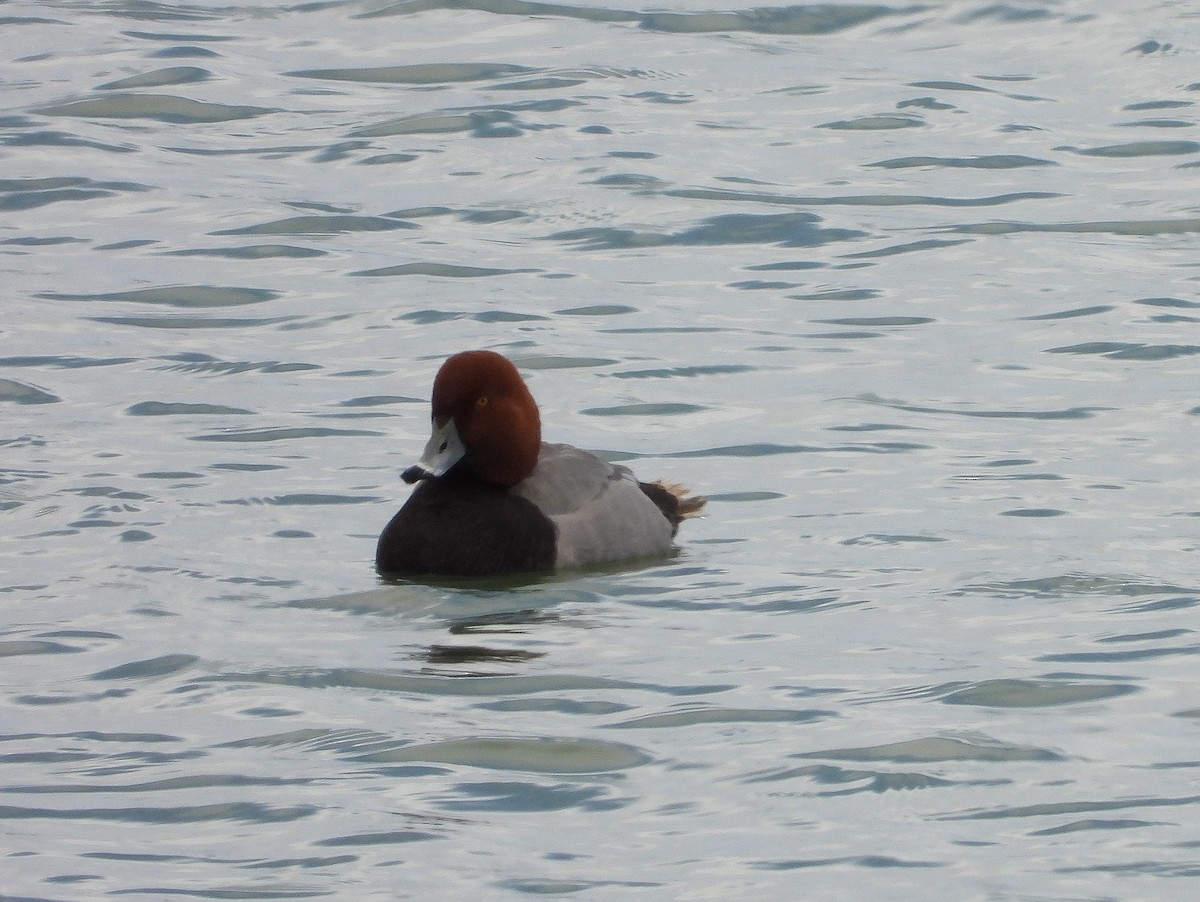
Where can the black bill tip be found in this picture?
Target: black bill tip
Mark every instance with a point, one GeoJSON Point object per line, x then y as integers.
{"type": "Point", "coordinates": [415, 473]}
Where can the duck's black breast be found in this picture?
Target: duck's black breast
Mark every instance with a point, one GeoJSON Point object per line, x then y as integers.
{"type": "Point", "coordinates": [458, 526]}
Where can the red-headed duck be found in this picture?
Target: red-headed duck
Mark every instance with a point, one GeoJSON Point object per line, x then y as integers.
{"type": "Point", "coordinates": [493, 498]}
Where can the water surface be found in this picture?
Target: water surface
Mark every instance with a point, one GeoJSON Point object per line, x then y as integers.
{"type": "Point", "coordinates": [909, 290]}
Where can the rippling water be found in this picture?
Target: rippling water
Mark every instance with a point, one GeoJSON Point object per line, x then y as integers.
{"type": "Point", "coordinates": [909, 290]}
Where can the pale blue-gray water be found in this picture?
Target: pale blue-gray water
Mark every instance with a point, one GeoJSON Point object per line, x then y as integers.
{"type": "Point", "coordinates": [909, 290]}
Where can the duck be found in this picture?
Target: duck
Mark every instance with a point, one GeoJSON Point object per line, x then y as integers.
{"type": "Point", "coordinates": [491, 498]}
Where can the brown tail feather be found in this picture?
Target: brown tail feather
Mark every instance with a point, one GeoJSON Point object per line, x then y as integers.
{"type": "Point", "coordinates": [674, 501]}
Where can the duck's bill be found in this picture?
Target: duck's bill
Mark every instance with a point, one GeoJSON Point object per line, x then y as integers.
{"type": "Point", "coordinates": [443, 451]}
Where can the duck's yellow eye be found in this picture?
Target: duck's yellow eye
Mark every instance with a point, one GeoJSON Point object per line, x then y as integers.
{"type": "Point", "coordinates": [481, 401]}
